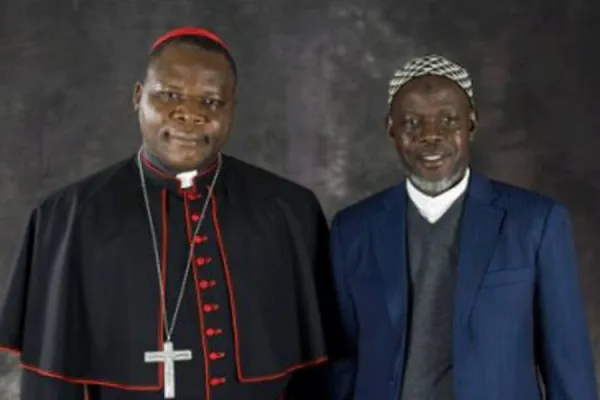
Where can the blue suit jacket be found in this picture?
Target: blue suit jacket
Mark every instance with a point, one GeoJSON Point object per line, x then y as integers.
{"type": "Point", "coordinates": [517, 304]}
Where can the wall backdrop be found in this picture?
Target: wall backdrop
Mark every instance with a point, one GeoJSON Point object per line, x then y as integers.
{"type": "Point", "coordinates": [312, 96]}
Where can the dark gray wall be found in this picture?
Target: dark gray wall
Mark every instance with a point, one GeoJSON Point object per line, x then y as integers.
{"type": "Point", "coordinates": [312, 96]}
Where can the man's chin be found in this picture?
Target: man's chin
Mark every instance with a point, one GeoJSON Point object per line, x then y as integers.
{"type": "Point", "coordinates": [431, 176]}
{"type": "Point", "coordinates": [186, 161]}
{"type": "Point", "coordinates": [435, 184]}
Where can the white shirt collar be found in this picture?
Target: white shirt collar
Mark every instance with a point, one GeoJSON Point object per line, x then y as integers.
{"type": "Point", "coordinates": [432, 208]}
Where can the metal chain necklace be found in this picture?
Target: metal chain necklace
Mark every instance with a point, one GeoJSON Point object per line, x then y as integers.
{"type": "Point", "coordinates": [168, 355]}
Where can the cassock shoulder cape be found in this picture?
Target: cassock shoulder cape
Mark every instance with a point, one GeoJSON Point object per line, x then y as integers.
{"type": "Point", "coordinates": [67, 281]}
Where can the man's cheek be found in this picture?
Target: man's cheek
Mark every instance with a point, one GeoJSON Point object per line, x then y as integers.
{"type": "Point", "coordinates": [151, 113]}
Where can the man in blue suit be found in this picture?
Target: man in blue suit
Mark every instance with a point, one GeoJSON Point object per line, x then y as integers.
{"type": "Point", "coordinates": [453, 286]}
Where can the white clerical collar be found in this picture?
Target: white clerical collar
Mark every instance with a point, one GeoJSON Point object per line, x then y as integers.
{"type": "Point", "coordinates": [432, 208]}
{"type": "Point", "coordinates": [186, 179]}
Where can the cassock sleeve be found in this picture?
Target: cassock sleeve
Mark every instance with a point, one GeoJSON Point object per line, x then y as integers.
{"type": "Point", "coordinates": [341, 373]}
{"type": "Point", "coordinates": [14, 304]}
{"type": "Point", "coordinates": [337, 347]}
{"type": "Point", "coordinates": [35, 384]}
{"type": "Point", "coordinates": [36, 387]}
{"type": "Point", "coordinates": [307, 384]}
{"type": "Point", "coordinates": [311, 383]}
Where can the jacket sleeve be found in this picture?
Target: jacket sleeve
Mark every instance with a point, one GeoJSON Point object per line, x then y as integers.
{"type": "Point", "coordinates": [563, 349]}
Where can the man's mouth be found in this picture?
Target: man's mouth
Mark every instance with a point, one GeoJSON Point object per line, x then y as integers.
{"type": "Point", "coordinates": [186, 139]}
{"type": "Point", "coordinates": [432, 159]}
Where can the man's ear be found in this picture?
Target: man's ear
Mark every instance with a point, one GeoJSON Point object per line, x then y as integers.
{"type": "Point", "coordinates": [473, 123]}
{"type": "Point", "coordinates": [137, 95]}
{"type": "Point", "coordinates": [388, 126]}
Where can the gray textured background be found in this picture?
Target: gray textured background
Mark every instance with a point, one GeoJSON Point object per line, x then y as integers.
{"type": "Point", "coordinates": [312, 96]}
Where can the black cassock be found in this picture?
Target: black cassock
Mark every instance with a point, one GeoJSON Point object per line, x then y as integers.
{"type": "Point", "coordinates": [83, 299]}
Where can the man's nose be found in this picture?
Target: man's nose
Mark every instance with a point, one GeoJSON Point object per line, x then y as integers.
{"type": "Point", "coordinates": [430, 131]}
{"type": "Point", "coordinates": [190, 113]}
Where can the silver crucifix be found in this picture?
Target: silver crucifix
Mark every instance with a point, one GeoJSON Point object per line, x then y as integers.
{"type": "Point", "coordinates": [168, 356]}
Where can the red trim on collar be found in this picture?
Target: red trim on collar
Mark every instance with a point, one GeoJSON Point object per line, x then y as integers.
{"type": "Point", "coordinates": [167, 175]}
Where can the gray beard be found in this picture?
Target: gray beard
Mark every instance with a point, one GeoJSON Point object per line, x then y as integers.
{"type": "Point", "coordinates": [436, 187]}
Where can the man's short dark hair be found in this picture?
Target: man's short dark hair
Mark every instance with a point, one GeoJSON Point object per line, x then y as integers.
{"type": "Point", "coordinates": [199, 41]}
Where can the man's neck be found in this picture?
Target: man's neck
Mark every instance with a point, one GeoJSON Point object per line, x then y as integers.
{"type": "Point", "coordinates": [154, 160]}
{"type": "Point", "coordinates": [158, 163]}
{"type": "Point", "coordinates": [433, 207]}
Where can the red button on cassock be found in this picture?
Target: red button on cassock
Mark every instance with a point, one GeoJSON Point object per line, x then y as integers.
{"type": "Point", "coordinates": [213, 332]}
{"type": "Point", "coordinates": [217, 381]}
{"type": "Point", "coordinates": [203, 260]}
{"type": "Point", "coordinates": [199, 239]}
{"type": "Point", "coordinates": [194, 196]}
{"type": "Point", "coordinates": [216, 356]}
{"type": "Point", "coordinates": [207, 284]}
{"type": "Point", "coordinates": [195, 217]}
{"type": "Point", "coordinates": [210, 307]}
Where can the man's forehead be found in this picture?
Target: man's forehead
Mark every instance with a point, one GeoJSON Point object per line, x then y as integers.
{"type": "Point", "coordinates": [191, 80]}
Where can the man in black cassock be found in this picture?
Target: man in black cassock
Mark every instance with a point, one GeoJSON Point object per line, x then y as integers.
{"type": "Point", "coordinates": [179, 272]}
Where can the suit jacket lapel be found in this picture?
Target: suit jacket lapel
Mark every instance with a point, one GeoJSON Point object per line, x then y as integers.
{"type": "Point", "coordinates": [388, 230]}
{"type": "Point", "coordinates": [479, 228]}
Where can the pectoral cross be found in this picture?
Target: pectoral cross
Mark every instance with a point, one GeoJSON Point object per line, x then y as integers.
{"type": "Point", "coordinates": [168, 356]}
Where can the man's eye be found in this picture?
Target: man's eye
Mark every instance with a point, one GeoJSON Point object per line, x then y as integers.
{"type": "Point", "coordinates": [449, 120]}
{"type": "Point", "coordinates": [410, 123]}
{"type": "Point", "coordinates": [168, 96]}
{"type": "Point", "coordinates": [213, 104]}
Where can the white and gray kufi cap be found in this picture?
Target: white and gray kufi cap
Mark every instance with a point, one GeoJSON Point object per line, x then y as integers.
{"type": "Point", "coordinates": [430, 65]}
